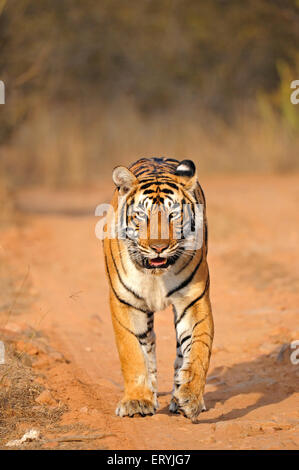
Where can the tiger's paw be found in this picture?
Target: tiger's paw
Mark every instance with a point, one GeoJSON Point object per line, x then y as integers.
{"type": "Point", "coordinates": [187, 403]}
{"type": "Point", "coordinates": [135, 407]}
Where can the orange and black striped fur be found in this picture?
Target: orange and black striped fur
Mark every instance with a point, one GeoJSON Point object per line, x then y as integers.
{"type": "Point", "coordinates": [148, 274]}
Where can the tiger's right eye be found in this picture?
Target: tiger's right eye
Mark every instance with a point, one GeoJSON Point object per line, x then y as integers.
{"type": "Point", "coordinates": [141, 215]}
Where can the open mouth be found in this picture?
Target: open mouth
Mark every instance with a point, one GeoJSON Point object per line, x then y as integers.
{"type": "Point", "coordinates": [157, 262]}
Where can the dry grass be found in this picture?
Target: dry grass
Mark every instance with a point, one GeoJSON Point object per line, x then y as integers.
{"type": "Point", "coordinates": [67, 146]}
{"type": "Point", "coordinates": [19, 382]}
{"type": "Point", "coordinates": [18, 392]}
{"type": "Point", "coordinates": [19, 389]}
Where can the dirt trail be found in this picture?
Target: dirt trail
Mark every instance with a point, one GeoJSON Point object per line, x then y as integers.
{"type": "Point", "coordinates": [254, 263]}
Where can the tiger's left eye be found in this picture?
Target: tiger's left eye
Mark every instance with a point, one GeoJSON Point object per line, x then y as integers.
{"type": "Point", "coordinates": [175, 213]}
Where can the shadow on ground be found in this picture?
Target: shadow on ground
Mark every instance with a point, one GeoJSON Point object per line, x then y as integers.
{"type": "Point", "coordinates": [271, 376]}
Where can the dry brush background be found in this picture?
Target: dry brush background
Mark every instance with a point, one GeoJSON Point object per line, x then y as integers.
{"type": "Point", "coordinates": [92, 84]}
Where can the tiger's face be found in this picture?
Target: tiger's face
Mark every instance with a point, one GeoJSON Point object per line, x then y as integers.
{"type": "Point", "coordinates": [154, 228]}
{"type": "Point", "coordinates": [157, 215]}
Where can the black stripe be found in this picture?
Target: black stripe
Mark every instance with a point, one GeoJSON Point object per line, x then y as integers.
{"type": "Point", "coordinates": [194, 301]}
{"type": "Point", "coordinates": [139, 173]}
{"type": "Point", "coordinates": [127, 329]}
{"type": "Point", "coordinates": [189, 278]}
{"type": "Point", "coordinates": [206, 237]}
{"type": "Point", "coordinates": [182, 334]}
{"type": "Point", "coordinates": [185, 339]}
{"type": "Point", "coordinates": [203, 194]}
{"type": "Point", "coordinates": [149, 191]}
{"type": "Point", "coordinates": [117, 296]}
{"type": "Point", "coordinates": [119, 276]}
{"type": "Point", "coordinates": [144, 335]}
{"type": "Point", "coordinates": [120, 256]}
{"type": "Point", "coordinates": [138, 336]}
{"type": "Point", "coordinates": [187, 263]}
{"type": "Point", "coordinates": [147, 185]}
{"type": "Point", "coordinates": [172, 185]}
{"type": "Point", "coordinates": [145, 180]}
{"type": "Point", "coordinates": [187, 349]}
{"type": "Point", "coordinates": [167, 191]}
{"type": "Point", "coordinates": [198, 322]}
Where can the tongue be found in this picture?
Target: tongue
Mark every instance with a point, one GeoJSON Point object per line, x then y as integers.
{"type": "Point", "coordinates": [158, 261]}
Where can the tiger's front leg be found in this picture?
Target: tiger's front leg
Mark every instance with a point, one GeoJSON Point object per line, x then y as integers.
{"type": "Point", "coordinates": [194, 329]}
{"type": "Point", "coordinates": [135, 341]}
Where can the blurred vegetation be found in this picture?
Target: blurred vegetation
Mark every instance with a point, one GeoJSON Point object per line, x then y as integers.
{"type": "Point", "coordinates": [91, 84]}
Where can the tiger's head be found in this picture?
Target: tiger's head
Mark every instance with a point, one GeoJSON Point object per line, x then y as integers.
{"type": "Point", "coordinates": [157, 210]}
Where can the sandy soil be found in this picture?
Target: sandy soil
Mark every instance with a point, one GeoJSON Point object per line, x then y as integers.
{"type": "Point", "coordinates": [252, 386]}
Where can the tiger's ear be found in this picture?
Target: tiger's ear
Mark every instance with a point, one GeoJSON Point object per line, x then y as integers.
{"type": "Point", "coordinates": [123, 179]}
{"type": "Point", "coordinates": [187, 173]}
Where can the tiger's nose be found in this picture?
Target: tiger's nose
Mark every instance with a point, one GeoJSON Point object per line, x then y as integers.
{"type": "Point", "coordinates": [159, 247]}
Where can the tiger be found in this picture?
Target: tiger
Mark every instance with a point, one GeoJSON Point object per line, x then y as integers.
{"type": "Point", "coordinates": [148, 272]}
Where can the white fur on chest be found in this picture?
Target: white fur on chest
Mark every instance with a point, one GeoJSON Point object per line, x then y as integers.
{"type": "Point", "coordinates": [154, 292]}
{"type": "Point", "coordinates": [152, 288]}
